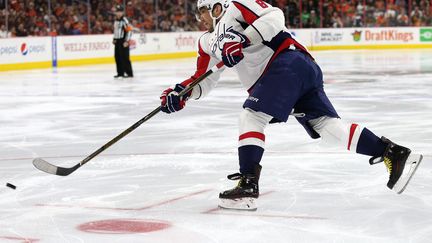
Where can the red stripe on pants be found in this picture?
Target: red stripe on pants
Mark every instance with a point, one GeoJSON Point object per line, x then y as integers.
{"type": "Point", "coordinates": [352, 130]}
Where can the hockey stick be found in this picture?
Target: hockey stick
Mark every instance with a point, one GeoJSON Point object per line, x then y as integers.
{"type": "Point", "coordinates": [43, 165]}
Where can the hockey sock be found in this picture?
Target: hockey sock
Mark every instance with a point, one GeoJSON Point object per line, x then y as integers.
{"type": "Point", "coordinates": [370, 144]}
{"type": "Point", "coordinates": [349, 135]}
{"type": "Point", "coordinates": [249, 157]}
{"type": "Point", "coordinates": [251, 139]}
{"type": "Point", "coordinates": [363, 141]}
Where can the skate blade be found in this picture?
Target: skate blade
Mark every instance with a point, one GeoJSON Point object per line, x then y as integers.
{"type": "Point", "coordinates": [411, 166]}
{"type": "Point", "coordinates": [244, 204]}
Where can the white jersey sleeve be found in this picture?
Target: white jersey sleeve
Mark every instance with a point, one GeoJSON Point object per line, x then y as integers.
{"type": "Point", "coordinates": [264, 20]}
{"type": "Point", "coordinates": [204, 63]}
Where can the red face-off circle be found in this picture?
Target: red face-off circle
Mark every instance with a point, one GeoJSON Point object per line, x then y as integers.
{"type": "Point", "coordinates": [123, 226]}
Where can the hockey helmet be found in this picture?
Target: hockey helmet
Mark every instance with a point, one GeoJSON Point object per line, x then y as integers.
{"type": "Point", "coordinates": [209, 5]}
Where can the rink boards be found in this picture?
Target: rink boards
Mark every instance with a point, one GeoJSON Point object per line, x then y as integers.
{"type": "Point", "coordinates": [46, 52]}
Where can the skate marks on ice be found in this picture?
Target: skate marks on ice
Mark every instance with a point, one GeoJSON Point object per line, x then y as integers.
{"type": "Point", "coordinates": [257, 213]}
{"type": "Point", "coordinates": [109, 201]}
{"type": "Point", "coordinates": [168, 201]}
{"type": "Point", "coordinates": [301, 192]}
{"type": "Point", "coordinates": [216, 210]}
{"type": "Point", "coordinates": [19, 239]}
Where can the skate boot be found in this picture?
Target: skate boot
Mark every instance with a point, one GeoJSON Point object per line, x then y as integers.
{"type": "Point", "coordinates": [242, 197]}
{"type": "Point", "coordinates": [400, 163]}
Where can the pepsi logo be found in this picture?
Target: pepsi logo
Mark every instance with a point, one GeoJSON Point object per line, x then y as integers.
{"type": "Point", "coordinates": [24, 49]}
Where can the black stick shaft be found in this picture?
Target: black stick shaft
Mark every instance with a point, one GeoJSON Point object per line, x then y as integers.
{"type": "Point", "coordinates": [121, 135]}
{"type": "Point", "coordinates": [147, 117]}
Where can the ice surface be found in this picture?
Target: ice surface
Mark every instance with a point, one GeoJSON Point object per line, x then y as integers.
{"type": "Point", "coordinates": [171, 169]}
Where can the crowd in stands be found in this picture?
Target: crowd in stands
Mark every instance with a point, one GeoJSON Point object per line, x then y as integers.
{"type": "Point", "coordinates": [74, 17]}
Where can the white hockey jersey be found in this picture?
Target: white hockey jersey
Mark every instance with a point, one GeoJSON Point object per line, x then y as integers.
{"type": "Point", "coordinates": [263, 24]}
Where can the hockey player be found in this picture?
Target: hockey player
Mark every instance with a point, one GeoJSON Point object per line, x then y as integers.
{"type": "Point", "coordinates": [280, 76]}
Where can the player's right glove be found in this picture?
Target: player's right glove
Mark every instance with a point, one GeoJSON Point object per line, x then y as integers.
{"type": "Point", "coordinates": [232, 52]}
{"type": "Point", "coordinates": [171, 101]}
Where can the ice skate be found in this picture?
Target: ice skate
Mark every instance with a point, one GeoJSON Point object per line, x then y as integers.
{"type": "Point", "coordinates": [400, 163]}
{"type": "Point", "coordinates": [244, 195]}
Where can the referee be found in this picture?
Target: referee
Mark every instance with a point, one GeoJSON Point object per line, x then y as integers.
{"type": "Point", "coordinates": [122, 35]}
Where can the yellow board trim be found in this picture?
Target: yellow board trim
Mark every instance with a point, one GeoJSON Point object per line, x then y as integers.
{"type": "Point", "coordinates": [24, 66]}
{"type": "Point", "coordinates": [370, 47]}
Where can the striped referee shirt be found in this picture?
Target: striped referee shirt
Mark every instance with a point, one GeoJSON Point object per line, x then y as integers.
{"type": "Point", "coordinates": [122, 29]}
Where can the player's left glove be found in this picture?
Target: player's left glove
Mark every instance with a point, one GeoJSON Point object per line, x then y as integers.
{"type": "Point", "coordinates": [171, 101]}
{"type": "Point", "coordinates": [232, 52]}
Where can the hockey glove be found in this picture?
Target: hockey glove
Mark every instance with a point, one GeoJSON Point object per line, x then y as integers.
{"type": "Point", "coordinates": [171, 101]}
{"type": "Point", "coordinates": [232, 52]}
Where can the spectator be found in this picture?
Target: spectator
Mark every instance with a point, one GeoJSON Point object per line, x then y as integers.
{"type": "Point", "coordinates": [427, 10]}
{"type": "Point", "coordinates": [313, 20]}
{"type": "Point", "coordinates": [130, 10]}
{"type": "Point", "coordinates": [71, 16]}
{"type": "Point", "coordinates": [31, 12]}
{"type": "Point", "coordinates": [391, 15]}
{"type": "Point", "coordinates": [293, 14]}
{"type": "Point", "coordinates": [97, 28]}
{"type": "Point", "coordinates": [21, 31]}
{"type": "Point", "coordinates": [416, 16]}
{"type": "Point", "coordinates": [358, 18]}
{"type": "Point", "coordinates": [3, 32]}
{"type": "Point", "coordinates": [66, 29]}
{"type": "Point", "coordinates": [402, 18]}
{"type": "Point", "coordinates": [305, 19]}
{"type": "Point", "coordinates": [380, 20]}
{"type": "Point", "coordinates": [328, 9]}
{"type": "Point", "coordinates": [347, 12]}
{"type": "Point", "coordinates": [165, 25]}
{"type": "Point", "coordinates": [336, 21]}
{"type": "Point", "coordinates": [148, 23]}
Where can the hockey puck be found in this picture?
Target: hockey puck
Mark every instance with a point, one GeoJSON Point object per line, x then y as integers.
{"type": "Point", "coordinates": [11, 186]}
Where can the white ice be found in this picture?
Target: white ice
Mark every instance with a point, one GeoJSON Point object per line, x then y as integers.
{"type": "Point", "coordinates": [172, 168]}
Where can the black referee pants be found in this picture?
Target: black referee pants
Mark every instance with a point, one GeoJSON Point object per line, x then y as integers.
{"type": "Point", "coordinates": [123, 62]}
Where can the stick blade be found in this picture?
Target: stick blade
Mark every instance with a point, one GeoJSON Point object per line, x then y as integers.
{"type": "Point", "coordinates": [44, 166]}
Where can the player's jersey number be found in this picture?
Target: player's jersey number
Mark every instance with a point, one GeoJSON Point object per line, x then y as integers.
{"type": "Point", "coordinates": [261, 3]}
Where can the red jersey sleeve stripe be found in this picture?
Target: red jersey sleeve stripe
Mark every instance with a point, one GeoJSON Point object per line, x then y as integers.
{"type": "Point", "coordinates": [202, 65]}
{"type": "Point", "coordinates": [248, 15]}
{"type": "Point", "coordinates": [258, 135]}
